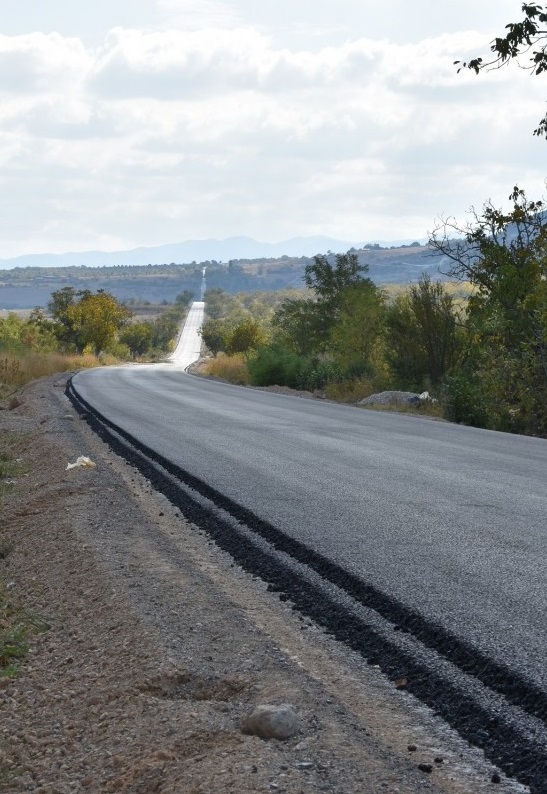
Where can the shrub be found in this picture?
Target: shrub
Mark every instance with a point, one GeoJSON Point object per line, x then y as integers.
{"type": "Point", "coordinates": [273, 365]}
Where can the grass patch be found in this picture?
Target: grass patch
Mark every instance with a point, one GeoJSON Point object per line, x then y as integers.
{"type": "Point", "coordinates": [10, 468]}
{"type": "Point", "coordinates": [17, 626]}
{"type": "Point", "coordinates": [230, 368]}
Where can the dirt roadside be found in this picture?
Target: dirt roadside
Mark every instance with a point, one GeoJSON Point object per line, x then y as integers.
{"type": "Point", "coordinates": [160, 645]}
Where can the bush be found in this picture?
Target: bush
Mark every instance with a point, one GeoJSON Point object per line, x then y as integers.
{"type": "Point", "coordinates": [318, 374]}
{"type": "Point", "coordinates": [463, 401]}
{"type": "Point", "coordinates": [273, 365]}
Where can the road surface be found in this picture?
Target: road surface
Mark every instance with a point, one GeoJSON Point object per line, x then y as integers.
{"type": "Point", "coordinates": [445, 524]}
{"type": "Point", "coordinates": [189, 344]}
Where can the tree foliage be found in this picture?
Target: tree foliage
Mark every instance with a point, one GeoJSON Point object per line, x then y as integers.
{"type": "Point", "coordinates": [305, 325]}
{"type": "Point", "coordinates": [524, 37]}
{"type": "Point", "coordinates": [299, 326]}
{"type": "Point", "coordinates": [35, 333]}
{"type": "Point", "coordinates": [353, 336]}
{"type": "Point", "coordinates": [422, 335]}
{"type": "Point", "coordinates": [138, 337]}
{"type": "Point", "coordinates": [504, 256]}
{"type": "Point", "coordinates": [246, 336]}
{"type": "Point", "coordinates": [85, 319]}
{"type": "Point", "coordinates": [214, 332]}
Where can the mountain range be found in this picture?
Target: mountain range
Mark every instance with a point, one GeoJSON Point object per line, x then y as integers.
{"type": "Point", "coordinates": [191, 251]}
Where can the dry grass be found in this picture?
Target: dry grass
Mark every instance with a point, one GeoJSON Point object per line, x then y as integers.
{"type": "Point", "coordinates": [230, 368]}
{"type": "Point", "coordinates": [459, 290]}
{"type": "Point", "coordinates": [350, 391]}
{"type": "Point", "coordinates": [18, 369]}
{"type": "Point", "coordinates": [431, 409]}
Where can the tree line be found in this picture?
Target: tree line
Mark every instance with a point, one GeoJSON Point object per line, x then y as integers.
{"type": "Point", "coordinates": [81, 321]}
{"type": "Point", "coordinates": [486, 361]}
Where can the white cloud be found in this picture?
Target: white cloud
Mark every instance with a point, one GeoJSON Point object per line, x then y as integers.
{"type": "Point", "coordinates": [213, 128]}
{"type": "Point", "coordinates": [38, 62]}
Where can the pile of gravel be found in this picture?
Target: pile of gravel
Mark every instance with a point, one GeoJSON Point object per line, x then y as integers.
{"type": "Point", "coordinates": [395, 398]}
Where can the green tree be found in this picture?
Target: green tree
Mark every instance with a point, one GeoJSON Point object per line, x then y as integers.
{"type": "Point", "coordinates": [329, 281]}
{"type": "Point", "coordinates": [60, 305]}
{"type": "Point", "coordinates": [138, 337]}
{"type": "Point", "coordinates": [214, 333]}
{"type": "Point", "coordinates": [422, 335]}
{"type": "Point", "coordinates": [184, 298]}
{"type": "Point", "coordinates": [95, 320]}
{"type": "Point", "coordinates": [85, 319]}
{"type": "Point", "coordinates": [246, 336]}
{"type": "Point", "coordinates": [354, 335]}
{"type": "Point", "coordinates": [165, 328]}
{"type": "Point", "coordinates": [305, 325]}
{"type": "Point", "coordinates": [524, 37]}
{"type": "Point", "coordinates": [298, 326]}
{"type": "Point", "coordinates": [218, 303]}
{"type": "Point", "coordinates": [504, 256]}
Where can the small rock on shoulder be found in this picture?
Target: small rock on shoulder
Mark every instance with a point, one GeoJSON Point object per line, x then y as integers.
{"type": "Point", "coordinates": [272, 722]}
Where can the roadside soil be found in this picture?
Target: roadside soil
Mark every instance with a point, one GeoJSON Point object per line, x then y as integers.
{"type": "Point", "coordinates": [159, 646]}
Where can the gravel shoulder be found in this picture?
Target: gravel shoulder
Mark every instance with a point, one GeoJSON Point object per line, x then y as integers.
{"type": "Point", "coordinates": [159, 646]}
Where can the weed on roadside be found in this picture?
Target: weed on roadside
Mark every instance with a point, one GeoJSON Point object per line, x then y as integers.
{"type": "Point", "coordinates": [7, 776]}
{"type": "Point", "coordinates": [17, 626]}
{"type": "Point", "coordinates": [10, 467]}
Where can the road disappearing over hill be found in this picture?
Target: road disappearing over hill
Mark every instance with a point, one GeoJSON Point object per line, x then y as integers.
{"type": "Point", "coordinates": [420, 543]}
{"type": "Point", "coordinates": [189, 343]}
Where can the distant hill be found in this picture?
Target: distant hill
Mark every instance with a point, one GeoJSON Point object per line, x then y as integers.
{"type": "Point", "coordinates": [26, 287]}
{"type": "Point", "coordinates": [189, 252]}
{"type": "Point", "coordinates": [186, 252]}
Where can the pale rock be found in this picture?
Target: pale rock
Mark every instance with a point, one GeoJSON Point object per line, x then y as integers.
{"type": "Point", "coordinates": [272, 722]}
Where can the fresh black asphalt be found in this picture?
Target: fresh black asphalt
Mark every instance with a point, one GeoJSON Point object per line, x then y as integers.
{"type": "Point", "coordinates": [439, 527]}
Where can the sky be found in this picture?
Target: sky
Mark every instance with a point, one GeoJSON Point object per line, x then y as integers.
{"type": "Point", "coordinates": [126, 123]}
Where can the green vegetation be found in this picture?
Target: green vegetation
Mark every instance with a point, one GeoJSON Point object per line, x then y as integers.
{"type": "Point", "coordinates": [17, 626]}
{"type": "Point", "coordinates": [422, 335]}
{"type": "Point", "coordinates": [83, 330]}
{"type": "Point", "coordinates": [85, 320]}
{"type": "Point", "coordinates": [501, 382]}
{"type": "Point", "coordinates": [479, 346]}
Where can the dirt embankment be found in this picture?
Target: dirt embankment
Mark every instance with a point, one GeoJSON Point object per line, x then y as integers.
{"type": "Point", "coordinates": [159, 646]}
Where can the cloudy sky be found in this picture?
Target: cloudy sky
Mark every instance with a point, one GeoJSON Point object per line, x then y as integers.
{"type": "Point", "coordinates": [142, 122]}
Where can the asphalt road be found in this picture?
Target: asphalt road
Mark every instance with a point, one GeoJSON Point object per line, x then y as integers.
{"type": "Point", "coordinates": [189, 344]}
{"type": "Point", "coordinates": [449, 520]}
